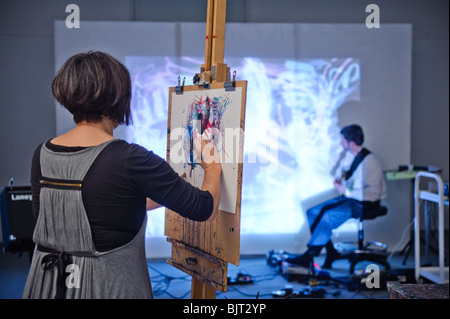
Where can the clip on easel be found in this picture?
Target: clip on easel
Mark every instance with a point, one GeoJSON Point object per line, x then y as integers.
{"type": "Point", "coordinates": [203, 249]}
{"type": "Point", "coordinates": [179, 88]}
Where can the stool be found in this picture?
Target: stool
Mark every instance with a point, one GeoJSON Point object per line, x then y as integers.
{"type": "Point", "coordinates": [365, 251]}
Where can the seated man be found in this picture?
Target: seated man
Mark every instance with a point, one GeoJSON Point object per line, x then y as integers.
{"type": "Point", "coordinates": [361, 188]}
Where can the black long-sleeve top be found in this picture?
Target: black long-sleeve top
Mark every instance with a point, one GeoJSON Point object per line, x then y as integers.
{"type": "Point", "coordinates": [116, 186]}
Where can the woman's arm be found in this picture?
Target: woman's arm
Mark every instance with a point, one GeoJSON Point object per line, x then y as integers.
{"type": "Point", "coordinates": [151, 204]}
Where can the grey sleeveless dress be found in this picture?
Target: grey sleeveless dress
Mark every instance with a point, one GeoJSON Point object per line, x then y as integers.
{"type": "Point", "coordinates": [65, 262]}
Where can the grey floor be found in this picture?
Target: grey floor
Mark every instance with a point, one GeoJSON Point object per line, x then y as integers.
{"type": "Point", "coordinates": [170, 283]}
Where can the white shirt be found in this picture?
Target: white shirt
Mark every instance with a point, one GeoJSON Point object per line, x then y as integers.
{"type": "Point", "coordinates": [367, 182]}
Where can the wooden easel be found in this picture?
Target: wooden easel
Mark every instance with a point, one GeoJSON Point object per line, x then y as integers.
{"type": "Point", "coordinates": [214, 70]}
{"type": "Point", "coordinates": [203, 249]}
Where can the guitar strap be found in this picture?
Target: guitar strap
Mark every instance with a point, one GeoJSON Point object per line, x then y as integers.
{"type": "Point", "coordinates": [356, 161]}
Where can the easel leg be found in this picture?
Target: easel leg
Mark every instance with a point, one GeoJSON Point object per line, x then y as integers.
{"type": "Point", "coordinates": [200, 290]}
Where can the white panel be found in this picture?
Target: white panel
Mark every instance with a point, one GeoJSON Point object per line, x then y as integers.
{"type": "Point", "coordinates": [383, 109]}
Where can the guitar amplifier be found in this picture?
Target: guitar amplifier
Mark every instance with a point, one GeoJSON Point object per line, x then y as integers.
{"type": "Point", "coordinates": [18, 221]}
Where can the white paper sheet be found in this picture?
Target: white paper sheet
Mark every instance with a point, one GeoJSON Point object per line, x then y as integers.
{"type": "Point", "coordinates": [219, 122]}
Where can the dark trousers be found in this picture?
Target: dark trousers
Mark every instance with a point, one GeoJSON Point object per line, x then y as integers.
{"type": "Point", "coordinates": [329, 215]}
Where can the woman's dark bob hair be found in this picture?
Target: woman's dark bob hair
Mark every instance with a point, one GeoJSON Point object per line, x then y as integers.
{"type": "Point", "coordinates": [94, 85]}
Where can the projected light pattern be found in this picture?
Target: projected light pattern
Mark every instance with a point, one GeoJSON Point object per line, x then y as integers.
{"type": "Point", "coordinates": [291, 129]}
{"type": "Point", "coordinates": [291, 104]}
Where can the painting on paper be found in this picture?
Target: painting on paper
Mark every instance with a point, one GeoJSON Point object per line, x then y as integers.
{"type": "Point", "coordinates": [213, 115]}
